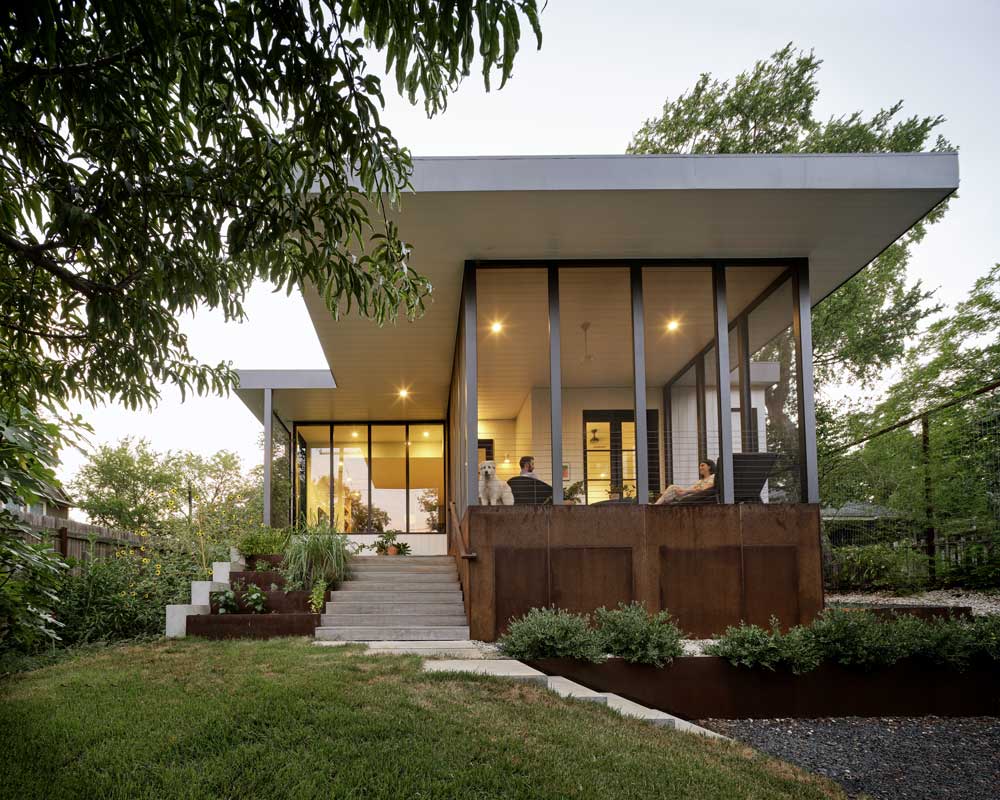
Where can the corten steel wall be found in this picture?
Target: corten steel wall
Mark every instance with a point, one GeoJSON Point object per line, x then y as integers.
{"type": "Point", "coordinates": [710, 566]}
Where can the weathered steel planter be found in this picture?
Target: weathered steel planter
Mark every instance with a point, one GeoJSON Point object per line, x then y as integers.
{"type": "Point", "coordinates": [708, 687]}
{"type": "Point", "coordinates": [262, 578]}
{"type": "Point", "coordinates": [252, 626]}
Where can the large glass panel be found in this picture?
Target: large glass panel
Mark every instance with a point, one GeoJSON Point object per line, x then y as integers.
{"type": "Point", "coordinates": [313, 474]}
{"type": "Point", "coordinates": [388, 478]}
{"type": "Point", "coordinates": [595, 310]}
{"type": "Point", "coordinates": [426, 496]}
{"type": "Point", "coordinates": [350, 463]}
{"type": "Point", "coordinates": [775, 397]}
{"type": "Point", "coordinates": [513, 380]}
{"type": "Point", "coordinates": [281, 474]}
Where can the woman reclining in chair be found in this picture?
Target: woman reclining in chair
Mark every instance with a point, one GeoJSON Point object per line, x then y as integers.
{"type": "Point", "coordinates": [706, 480]}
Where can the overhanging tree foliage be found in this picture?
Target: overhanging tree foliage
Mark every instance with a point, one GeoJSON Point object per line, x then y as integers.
{"type": "Point", "coordinates": [158, 157]}
{"type": "Point", "coordinates": [861, 329]}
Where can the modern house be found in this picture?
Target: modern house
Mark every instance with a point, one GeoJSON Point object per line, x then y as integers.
{"type": "Point", "coordinates": [585, 312]}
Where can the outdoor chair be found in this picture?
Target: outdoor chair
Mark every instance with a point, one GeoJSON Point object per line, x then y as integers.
{"type": "Point", "coordinates": [529, 491]}
{"type": "Point", "coordinates": [750, 473]}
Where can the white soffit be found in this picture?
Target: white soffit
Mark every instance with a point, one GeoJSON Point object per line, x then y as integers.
{"type": "Point", "coordinates": [840, 211]}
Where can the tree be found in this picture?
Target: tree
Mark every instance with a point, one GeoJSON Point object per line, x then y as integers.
{"type": "Point", "coordinates": [157, 157]}
{"type": "Point", "coordinates": [860, 329]}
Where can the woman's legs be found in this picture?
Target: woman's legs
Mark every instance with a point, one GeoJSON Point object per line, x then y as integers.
{"type": "Point", "coordinates": [669, 495]}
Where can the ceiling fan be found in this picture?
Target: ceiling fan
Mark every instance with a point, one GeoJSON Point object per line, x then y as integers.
{"type": "Point", "coordinates": [593, 436]}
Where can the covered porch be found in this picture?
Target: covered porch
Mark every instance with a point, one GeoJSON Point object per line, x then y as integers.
{"type": "Point", "coordinates": [620, 320]}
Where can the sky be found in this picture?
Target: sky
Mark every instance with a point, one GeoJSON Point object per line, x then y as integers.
{"type": "Point", "coordinates": [604, 68]}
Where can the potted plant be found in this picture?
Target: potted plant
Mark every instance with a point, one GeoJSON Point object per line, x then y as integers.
{"type": "Point", "coordinates": [386, 544]}
{"type": "Point", "coordinates": [573, 493]}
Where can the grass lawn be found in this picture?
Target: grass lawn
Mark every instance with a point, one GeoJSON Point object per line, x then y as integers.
{"type": "Point", "coordinates": [286, 719]}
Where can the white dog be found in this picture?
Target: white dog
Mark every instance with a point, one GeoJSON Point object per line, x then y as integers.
{"type": "Point", "coordinates": [492, 490]}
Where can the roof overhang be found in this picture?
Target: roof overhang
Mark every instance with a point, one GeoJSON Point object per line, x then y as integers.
{"type": "Point", "coordinates": [838, 210]}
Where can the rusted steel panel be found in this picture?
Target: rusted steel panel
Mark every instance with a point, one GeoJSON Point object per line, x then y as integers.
{"type": "Point", "coordinates": [521, 575]}
{"type": "Point", "coordinates": [771, 585]}
{"type": "Point", "coordinates": [701, 587]}
{"type": "Point", "coordinates": [585, 578]}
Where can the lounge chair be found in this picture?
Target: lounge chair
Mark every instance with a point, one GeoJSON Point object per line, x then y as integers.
{"type": "Point", "coordinates": [750, 473]}
{"type": "Point", "coordinates": [529, 491]}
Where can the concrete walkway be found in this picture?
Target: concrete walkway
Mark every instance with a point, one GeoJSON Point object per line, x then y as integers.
{"type": "Point", "coordinates": [518, 671]}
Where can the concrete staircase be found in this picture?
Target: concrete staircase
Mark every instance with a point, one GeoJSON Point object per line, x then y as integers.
{"type": "Point", "coordinates": [397, 598]}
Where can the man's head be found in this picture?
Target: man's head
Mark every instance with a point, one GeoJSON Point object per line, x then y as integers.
{"type": "Point", "coordinates": [706, 468]}
{"type": "Point", "coordinates": [527, 463]}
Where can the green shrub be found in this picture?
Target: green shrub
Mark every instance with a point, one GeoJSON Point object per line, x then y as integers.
{"type": "Point", "coordinates": [752, 646]}
{"type": "Point", "coordinates": [263, 541]}
{"type": "Point", "coordinates": [30, 578]}
{"type": "Point", "coordinates": [254, 598]}
{"type": "Point", "coordinates": [631, 633]}
{"type": "Point", "coordinates": [123, 596]}
{"type": "Point", "coordinates": [551, 633]}
{"type": "Point", "coordinates": [224, 602]}
{"type": "Point", "coordinates": [317, 556]}
{"type": "Point", "coordinates": [979, 567]}
{"type": "Point", "coordinates": [317, 598]}
{"type": "Point", "coordinates": [862, 640]}
{"type": "Point", "coordinates": [879, 566]}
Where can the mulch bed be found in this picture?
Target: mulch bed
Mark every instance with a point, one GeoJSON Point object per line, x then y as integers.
{"type": "Point", "coordinates": [890, 758]}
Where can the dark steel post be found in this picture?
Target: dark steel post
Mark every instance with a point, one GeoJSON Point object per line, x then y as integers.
{"type": "Point", "coordinates": [470, 382]}
{"type": "Point", "coordinates": [724, 472]}
{"type": "Point", "coordinates": [746, 397]}
{"type": "Point", "coordinates": [802, 329]}
{"type": "Point", "coordinates": [668, 436]}
{"type": "Point", "coordinates": [930, 533]}
{"type": "Point", "coordinates": [268, 415]}
{"type": "Point", "coordinates": [701, 413]}
{"type": "Point", "coordinates": [639, 382]}
{"type": "Point", "coordinates": [555, 385]}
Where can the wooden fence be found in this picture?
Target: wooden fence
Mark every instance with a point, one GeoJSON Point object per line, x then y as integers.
{"type": "Point", "coordinates": [72, 539]}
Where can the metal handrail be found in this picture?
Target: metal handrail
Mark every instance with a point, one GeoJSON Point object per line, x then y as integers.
{"type": "Point", "coordinates": [456, 526]}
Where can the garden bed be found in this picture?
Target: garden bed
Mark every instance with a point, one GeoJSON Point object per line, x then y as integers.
{"type": "Point", "coordinates": [262, 578]}
{"type": "Point", "coordinates": [700, 687]}
{"type": "Point", "coordinates": [252, 626]}
{"type": "Point", "coordinates": [921, 612]}
{"type": "Point", "coordinates": [279, 602]}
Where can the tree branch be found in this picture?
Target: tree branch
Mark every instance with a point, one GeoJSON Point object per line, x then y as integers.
{"type": "Point", "coordinates": [36, 254]}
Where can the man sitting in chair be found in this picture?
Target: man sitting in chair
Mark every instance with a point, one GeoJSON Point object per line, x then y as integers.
{"type": "Point", "coordinates": [706, 480]}
{"type": "Point", "coordinates": [528, 488]}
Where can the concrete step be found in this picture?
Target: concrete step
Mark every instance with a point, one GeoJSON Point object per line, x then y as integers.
{"type": "Point", "coordinates": [564, 687]}
{"type": "Point", "coordinates": [499, 668]}
{"type": "Point", "coordinates": [400, 586]}
{"type": "Point", "coordinates": [371, 633]}
{"type": "Point", "coordinates": [394, 620]}
{"type": "Point", "coordinates": [397, 596]}
{"type": "Point", "coordinates": [346, 606]}
{"type": "Point", "coordinates": [400, 577]}
{"type": "Point", "coordinates": [409, 569]}
{"type": "Point", "coordinates": [394, 561]}
{"type": "Point", "coordinates": [629, 709]}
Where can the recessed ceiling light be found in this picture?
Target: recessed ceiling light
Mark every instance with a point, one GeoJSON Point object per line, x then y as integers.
{"type": "Point", "coordinates": [673, 325]}
{"type": "Point", "coordinates": [426, 434]}
{"type": "Point", "coordinates": [354, 434]}
{"type": "Point", "coordinates": [404, 393]}
{"type": "Point", "coordinates": [496, 327]}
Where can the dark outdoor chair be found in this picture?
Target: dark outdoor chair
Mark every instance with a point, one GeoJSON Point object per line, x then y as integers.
{"type": "Point", "coordinates": [750, 473]}
{"type": "Point", "coordinates": [529, 491]}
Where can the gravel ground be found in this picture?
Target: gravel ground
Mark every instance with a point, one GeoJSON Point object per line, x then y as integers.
{"type": "Point", "coordinates": [980, 602]}
{"type": "Point", "coordinates": [890, 758]}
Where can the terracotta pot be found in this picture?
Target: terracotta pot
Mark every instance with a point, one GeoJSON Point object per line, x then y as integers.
{"type": "Point", "coordinates": [392, 550]}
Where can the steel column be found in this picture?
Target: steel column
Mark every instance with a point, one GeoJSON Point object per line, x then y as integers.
{"type": "Point", "coordinates": [639, 382]}
{"type": "Point", "coordinates": [470, 382]}
{"type": "Point", "coordinates": [555, 386]}
{"type": "Point", "coordinates": [268, 423]}
{"type": "Point", "coordinates": [746, 397]}
{"type": "Point", "coordinates": [724, 471]}
{"type": "Point", "coordinates": [701, 415]}
{"type": "Point", "coordinates": [802, 328]}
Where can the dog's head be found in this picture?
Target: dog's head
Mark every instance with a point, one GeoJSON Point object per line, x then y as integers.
{"type": "Point", "coordinates": [488, 470]}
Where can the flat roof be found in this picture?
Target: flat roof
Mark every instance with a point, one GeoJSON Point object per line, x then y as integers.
{"type": "Point", "coordinates": [838, 210]}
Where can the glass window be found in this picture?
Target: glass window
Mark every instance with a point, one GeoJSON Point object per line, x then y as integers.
{"type": "Point", "coordinates": [388, 444]}
{"type": "Point", "coordinates": [426, 497]}
{"type": "Point", "coordinates": [350, 459]}
{"type": "Point", "coordinates": [313, 474]}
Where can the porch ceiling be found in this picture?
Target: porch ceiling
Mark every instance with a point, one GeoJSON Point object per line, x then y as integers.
{"type": "Point", "coordinates": [840, 211]}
